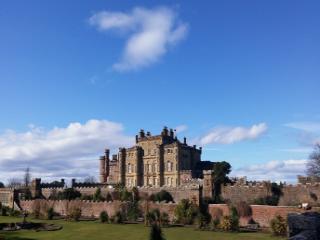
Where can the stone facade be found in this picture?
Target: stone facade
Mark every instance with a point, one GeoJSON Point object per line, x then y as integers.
{"type": "Point", "coordinates": [157, 161]}
{"type": "Point", "coordinates": [8, 196]}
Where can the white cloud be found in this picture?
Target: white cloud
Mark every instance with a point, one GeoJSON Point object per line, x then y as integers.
{"type": "Point", "coordinates": [297, 150]}
{"type": "Point", "coordinates": [60, 152]}
{"type": "Point", "coordinates": [229, 135]}
{"type": "Point", "coordinates": [181, 128]}
{"type": "Point", "coordinates": [151, 33]}
{"type": "Point", "coordinates": [305, 126]}
{"type": "Point", "coordinates": [286, 170]}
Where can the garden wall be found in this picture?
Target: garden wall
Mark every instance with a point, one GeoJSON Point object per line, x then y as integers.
{"type": "Point", "coordinates": [261, 214]}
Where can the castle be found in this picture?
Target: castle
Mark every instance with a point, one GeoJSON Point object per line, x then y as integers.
{"type": "Point", "coordinates": [154, 161]}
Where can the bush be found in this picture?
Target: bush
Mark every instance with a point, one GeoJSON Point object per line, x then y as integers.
{"type": "Point", "coordinates": [4, 211]}
{"type": "Point", "coordinates": [230, 223]}
{"type": "Point", "coordinates": [156, 233]}
{"type": "Point", "coordinates": [104, 218]}
{"type": "Point", "coordinates": [117, 218]}
{"type": "Point", "coordinates": [244, 209]}
{"type": "Point", "coordinates": [14, 213]}
{"type": "Point", "coordinates": [133, 211]}
{"type": "Point", "coordinates": [97, 196]}
{"type": "Point", "coordinates": [163, 196]}
{"type": "Point", "coordinates": [68, 194]}
{"type": "Point", "coordinates": [185, 212]}
{"type": "Point", "coordinates": [279, 226]}
{"type": "Point", "coordinates": [75, 214]}
{"type": "Point", "coordinates": [86, 197]}
{"type": "Point", "coordinates": [109, 197]}
{"type": "Point", "coordinates": [164, 219]}
{"type": "Point", "coordinates": [215, 223]}
{"type": "Point", "coordinates": [50, 213]}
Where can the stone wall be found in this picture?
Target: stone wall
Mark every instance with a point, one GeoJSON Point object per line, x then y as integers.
{"type": "Point", "coordinates": [261, 214]}
{"type": "Point", "coordinates": [190, 192]}
{"type": "Point", "coordinates": [301, 193]}
{"type": "Point", "coordinates": [247, 193]}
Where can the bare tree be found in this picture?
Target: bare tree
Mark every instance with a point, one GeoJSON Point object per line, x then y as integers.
{"type": "Point", "coordinates": [90, 179]}
{"type": "Point", "coordinates": [27, 177]}
{"type": "Point", "coordinates": [313, 166]}
{"type": "Point", "coordinates": [14, 183]}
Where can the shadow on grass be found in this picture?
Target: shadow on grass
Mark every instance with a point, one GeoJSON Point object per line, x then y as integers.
{"type": "Point", "coordinates": [12, 236]}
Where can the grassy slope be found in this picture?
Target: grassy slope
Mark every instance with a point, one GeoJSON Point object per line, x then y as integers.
{"type": "Point", "coordinates": [96, 231]}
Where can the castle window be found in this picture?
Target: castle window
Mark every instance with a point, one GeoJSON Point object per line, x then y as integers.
{"type": "Point", "coordinates": [150, 167]}
{"type": "Point", "coordinates": [169, 166]}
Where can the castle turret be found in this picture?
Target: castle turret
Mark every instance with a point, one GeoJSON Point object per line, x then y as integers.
{"type": "Point", "coordinates": [103, 177]}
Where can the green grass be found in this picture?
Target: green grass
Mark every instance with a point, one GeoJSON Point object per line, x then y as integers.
{"type": "Point", "coordinates": [90, 230]}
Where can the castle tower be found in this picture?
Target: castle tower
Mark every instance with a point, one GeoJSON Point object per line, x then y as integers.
{"type": "Point", "coordinates": [208, 188]}
{"type": "Point", "coordinates": [102, 170]}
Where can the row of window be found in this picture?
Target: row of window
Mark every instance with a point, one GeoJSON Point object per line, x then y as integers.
{"type": "Point", "coordinates": [151, 168]}
{"type": "Point", "coordinates": [169, 181]}
{"type": "Point", "coordinates": [150, 152]}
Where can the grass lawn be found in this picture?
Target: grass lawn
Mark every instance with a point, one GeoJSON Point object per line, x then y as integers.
{"type": "Point", "coordinates": [90, 230]}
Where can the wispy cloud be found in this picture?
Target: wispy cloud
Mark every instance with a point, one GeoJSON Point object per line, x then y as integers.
{"type": "Point", "coordinates": [305, 126]}
{"type": "Point", "coordinates": [151, 33]}
{"type": "Point", "coordinates": [229, 135]}
{"type": "Point", "coordinates": [297, 150]}
{"type": "Point", "coordinates": [71, 151]}
{"type": "Point", "coordinates": [286, 170]}
{"type": "Point", "coordinates": [181, 128]}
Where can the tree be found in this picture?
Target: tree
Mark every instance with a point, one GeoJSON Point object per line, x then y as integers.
{"type": "Point", "coordinates": [185, 212]}
{"type": "Point", "coordinates": [156, 233]}
{"type": "Point", "coordinates": [1, 185]}
{"type": "Point", "coordinates": [14, 183]}
{"type": "Point", "coordinates": [90, 179]}
{"type": "Point", "coordinates": [313, 166]}
{"type": "Point", "coordinates": [220, 172]}
{"type": "Point", "coordinates": [27, 177]}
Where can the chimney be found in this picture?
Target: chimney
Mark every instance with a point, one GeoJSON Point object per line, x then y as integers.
{"type": "Point", "coordinates": [171, 133]}
{"type": "Point", "coordinates": [165, 131]}
{"type": "Point", "coordinates": [142, 133]}
{"type": "Point", "coordinates": [185, 141]}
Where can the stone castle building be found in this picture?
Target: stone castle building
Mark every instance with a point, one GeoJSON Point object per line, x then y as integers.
{"type": "Point", "coordinates": [156, 161]}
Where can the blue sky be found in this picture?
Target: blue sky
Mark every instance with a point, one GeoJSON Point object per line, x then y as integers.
{"type": "Point", "coordinates": [240, 78]}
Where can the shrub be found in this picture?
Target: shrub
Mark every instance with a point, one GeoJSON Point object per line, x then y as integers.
{"type": "Point", "coordinates": [104, 217]}
{"type": "Point", "coordinates": [133, 211]}
{"type": "Point", "coordinates": [226, 223]}
{"type": "Point", "coordinates": [87, 197]}
{"type": "Point", "coordinates": [109, 197]}
{"type": "Point", "coordinates": [164, 219]}
{"type": "Point", "coordinates": [97, 196]}
{"type": "Point", "coordinates": [215, 224]}
{"type": "Point", "coordinates": [279, 226]}
{"type": "Point", "coordinates": [4, 211]}
{"type": "Point", "coordinates": [163, 196]}
{"type": "Point", "coordinates": [244, 209]}
{"type": "Point", "coordinates": [50, 213]}
{"type": "Point", "coordinates": [14, 213]}
{"type": "Point", "coordinates": [230, 223]}
{"type": "Point", "coordinates": [156, 233]}
{"type": "Point", "coordinates": [75, 214]}
{"type": "Point", "coordinates": [68, 194]}
{"type": "Point", "coordinates": [185, 212]}
{"type": "Point", "coordinates": [118, 218]}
